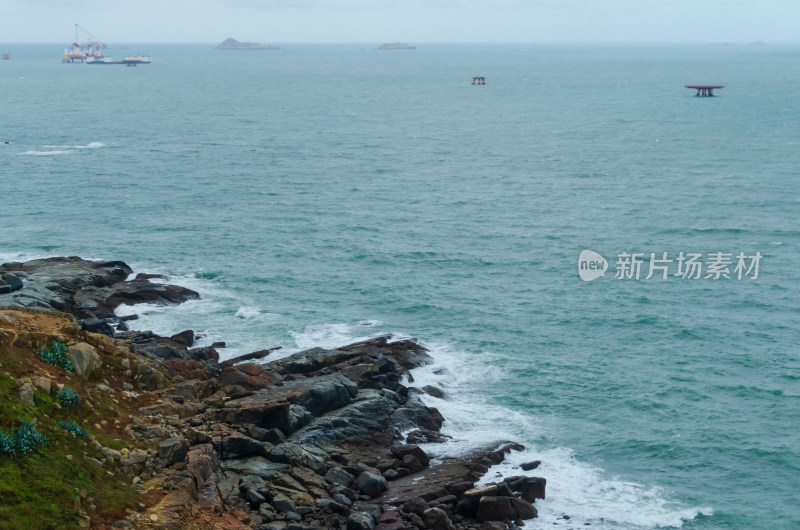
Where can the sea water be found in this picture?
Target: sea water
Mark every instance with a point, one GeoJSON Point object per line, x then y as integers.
{"type": "Point", "coordinates": [317, 195]}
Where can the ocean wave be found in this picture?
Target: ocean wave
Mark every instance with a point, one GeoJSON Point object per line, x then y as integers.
{"type": "Point", "coordinates": [53, 150]}
{"type": "Point", "coordinates": [584, 492]}
{"type": "Point", "coordinates": [47, 153]}
{"type": "Point", "coordinates": [90, 145]}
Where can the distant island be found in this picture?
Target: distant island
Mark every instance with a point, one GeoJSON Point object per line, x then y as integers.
{"type": "Point", "coordinates": [396, 46]}
{"type": "Point", "coordinates": [233, 44]}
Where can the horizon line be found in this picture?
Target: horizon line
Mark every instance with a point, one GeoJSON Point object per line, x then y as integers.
{"type": "Point", "coordinates": [704, 43]}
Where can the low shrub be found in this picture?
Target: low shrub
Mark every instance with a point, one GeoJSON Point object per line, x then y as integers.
{"type": "Point", "coordinates": [28, 437]}
{"type": "Point", "coordinates": [57, 356]}
{"type": "Point", "coordinates": [74, 428]}
{"type": "Point", "coordinates": [68, 397]}
{"type": "Point", "coordinates": [8, 446]}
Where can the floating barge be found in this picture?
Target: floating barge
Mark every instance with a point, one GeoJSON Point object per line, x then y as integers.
{"type": "Point", "coordinates": [91, 52]}
{"type": "Point", "coordinates": [704, 90]}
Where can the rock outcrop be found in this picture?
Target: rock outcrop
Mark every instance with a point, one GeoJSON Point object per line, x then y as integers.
{"type": "Point", "coordinates": [324, 438]}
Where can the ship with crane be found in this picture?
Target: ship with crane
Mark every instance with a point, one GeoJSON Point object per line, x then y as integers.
{"type": "Point", "coordinates": [91, 51]}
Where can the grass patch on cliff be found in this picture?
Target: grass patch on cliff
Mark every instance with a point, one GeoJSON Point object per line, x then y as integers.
{"type": "Point", "coordinates": [38, 489]}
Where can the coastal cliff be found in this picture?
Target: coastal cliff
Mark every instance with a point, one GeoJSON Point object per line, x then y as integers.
{"type": "Point", "coordinates": [174, 438]}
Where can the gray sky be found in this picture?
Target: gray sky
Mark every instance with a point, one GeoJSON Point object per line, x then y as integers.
{"type": "Point", "coordinates": [415, 21]}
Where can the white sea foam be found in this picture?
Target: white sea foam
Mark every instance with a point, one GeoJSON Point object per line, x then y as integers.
{"type": "Point", "coordinates": [328, 336]}
{"type": "Point", "coordinates": [586, 493]}
{"type": "Point", "coordinates": [48, 153]}
{"type": "Point", "coordinates": [90, 145]}
{"type": "Point", "coordinates": [63, 149]}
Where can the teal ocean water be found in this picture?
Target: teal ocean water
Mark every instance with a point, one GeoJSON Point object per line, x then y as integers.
{"type": "Point", "coordinates": [315, 195]}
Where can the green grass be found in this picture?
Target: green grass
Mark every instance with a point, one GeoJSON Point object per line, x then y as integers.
{"type": "Point", "coordinates": [37, 490]}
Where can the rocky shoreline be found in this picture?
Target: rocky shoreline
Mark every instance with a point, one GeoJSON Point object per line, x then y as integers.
{"type": "Point", "coordinates": [318, 439]}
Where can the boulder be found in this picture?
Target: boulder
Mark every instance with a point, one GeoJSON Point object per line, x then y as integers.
{"type": "Point", "coordinates": [338, 475]}
{"type": "Point", "coordinates": [26, 394]}
{"type": "Point", "coordinates": [184, 338]}
{"type": "Point", "coordinates": [173, 450]}
{"type": "Point", "coordinates": [523, 509]}
{"type": "Point", "coordinates": [437, 519]}
{"type": "Point", "coordinates": [11, 281]}
{"type": "Point", "coordinates": [150, 378]}
{"type": "Point", "coordinates": [495, 509]}
{"type": "Point", "coordinates": [45, 383]}
{"type": "Point", "coordinates": [412, 464]}
{"type": "Point", "coordinates": [371, 484]}
{"type": "Point", "coordinates": [84, 359]}
{"type": "Point", "coordinates": [528, 466]}
{"type": "Point", "coordinates": [233, 444]}
{"type": "Point", "coordinates": [533, 488]}
{"type": "Point", "coordinates": [97, 325]}
{"type": "Point", "coordinates": [401, 450]}
{"type": "Point", "coordinates": [360, 521]}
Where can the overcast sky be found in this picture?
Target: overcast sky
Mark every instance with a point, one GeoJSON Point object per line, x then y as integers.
{"type": "Point", "coordinates": [415, 21]}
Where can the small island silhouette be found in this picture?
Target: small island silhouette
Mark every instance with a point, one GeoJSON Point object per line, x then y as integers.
{"type": "Point", "coordinates": [396, 46]}
{"type": "Point", "coordinates": [233, 44]}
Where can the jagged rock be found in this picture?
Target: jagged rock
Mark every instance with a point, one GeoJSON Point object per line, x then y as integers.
{"type": "Point", "coordinates": [207, 354]}
{"type": "Point", "coordinates": [97, 325]}
{"type": "Point", "coordinates": [45, 383]}
{"type": "Point", "coordinates": [416, 505]}
{"type": "Point", "coordinates": [255, 498]}
{"type": "Point", "coordinates": [495, 509]}
{"type": "Point", "coordinates": [150, 378]}
{"type": "Point", "coordinates": [412, 464]}
{"type": "Point", "coordinates": [402, 450]}
{"type": "Point", "coordinates": [338, 475]}
{"type": "Point", "coordinates": [334, 506]}
{"type": "Point", "coordinates": [523, 509]}
{"type": "Point", "coordinates": [426, 436]}
{"type": "Point", "coordinates": [360, 521]}
{"type": "Point", "coordinates": [111, 453]}
{"type": "Point", "coordinates": [243, 375]}
{"type": "Point", "coordinates": [10, 282]}
{"type": "Point", "coordinates": [299, 455]}
{"type": "Point", "coordinates": [233, 444]}
{"type": "Point", "coordinates": [255, 465]}
{"type": "Point", "coordinates": [371, 484]}
{"type": "Point", "coordinates": [437, 519]}
{"type": "Point", "coordinates": [282, 503]}
{"type": "Point", "coordinates": [84, 359]}
{"type": "Point", "coordinates": [185, 338]}
{"type": "Point", "coordinates": [434, 391]}
{"type": "Point", "coordinates": [470, 499]}
{"type": "Point", "coordinates": [416, 414]}
{"type": "Point", "coordinates": [533, 488]}
{"type": "Point", "coordinates": [528, 466]}
{"type": "Point", "coordinates": [241, 358]}
{"type": "Point", "coordinates": [173, 450]}
{"type": "Point", "coordinates": [26, 394]}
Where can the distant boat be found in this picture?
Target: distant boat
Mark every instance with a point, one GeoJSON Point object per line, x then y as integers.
{"type": "Point", "coordinates": [137, 58]}
{"type": "Point", "coordinates": [83, 52]}
{"type": "Point", "coordinates": [91, 52]}
{"type": "Point", "coordinates": [6, 56]}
